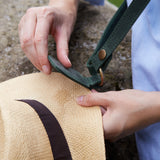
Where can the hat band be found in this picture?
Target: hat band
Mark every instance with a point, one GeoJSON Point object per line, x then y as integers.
{"type": "Point", "coordinates": [58, 142]}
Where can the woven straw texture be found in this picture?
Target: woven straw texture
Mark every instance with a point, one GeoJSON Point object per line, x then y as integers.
{"type": "Point", "coordinates": [22, 134]}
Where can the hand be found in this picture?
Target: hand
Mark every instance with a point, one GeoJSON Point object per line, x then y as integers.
{"type": "Point", "coordinates": [56, 19]}
{"type": "Point", "coordinates": [124, 112]}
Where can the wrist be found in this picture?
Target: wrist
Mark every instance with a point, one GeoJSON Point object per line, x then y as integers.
{"type": "Point", "coordinates": [70, 5]}
{"type": "Point", "coordinates": [151, 108]}
{"type": "Point", "coordinates": [146, 111]}
{"type": "Point", "coordinates": [155, 106]}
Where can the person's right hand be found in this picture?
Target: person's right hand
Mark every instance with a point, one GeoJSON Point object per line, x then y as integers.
{"type": "Point", "coordinates": [56, 19]}
{"type": "Point", "coordinates": [124, 112]}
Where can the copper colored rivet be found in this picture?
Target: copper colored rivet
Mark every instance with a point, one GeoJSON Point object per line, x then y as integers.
{"type": "Point", "coordinates": [102, 54]}
{"type": "Point", "coordinates": [101, 74]}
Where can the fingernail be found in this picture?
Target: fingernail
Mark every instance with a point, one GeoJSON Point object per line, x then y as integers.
{"type": "Point", "coordinates": [93, 91]}
{"type": "Point", "coordinates": [45, 69]}
{"type": "Point", "coordinates": [80, 99]}
{"type": "Point", "coordinates": [69, 62]}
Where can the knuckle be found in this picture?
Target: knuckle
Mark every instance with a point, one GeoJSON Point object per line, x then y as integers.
{"type": "Point", "coordinates": [26, 41]}
{"type": "Point", "coordinates": [30, 10]}
{"type": "Point", "coordinates": [44, 10]}
{"type": "Point", "coordinates": [39, 38]}
{"type": "Point", "coordinates": [88, 99]}
{"type": "Point", "coordinates": [43, 13]}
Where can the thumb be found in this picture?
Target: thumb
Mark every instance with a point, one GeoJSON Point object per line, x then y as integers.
{"type": "Point", "coordinates": [62, 49]}
{"type": "Point", "coordinates": [92, 99]}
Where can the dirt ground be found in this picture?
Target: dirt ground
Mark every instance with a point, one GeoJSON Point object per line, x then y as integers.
{"type": "Point", "coordinates": [91, 22]}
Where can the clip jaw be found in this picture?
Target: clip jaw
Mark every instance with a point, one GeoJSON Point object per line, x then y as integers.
{"type": "Point", "coordinates": [89, 82]}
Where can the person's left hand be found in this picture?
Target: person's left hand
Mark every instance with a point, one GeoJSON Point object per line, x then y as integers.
{"type": "Point", "coordinates": [57, 19]}
{"type": "Point", "coordinates": [124, 112]}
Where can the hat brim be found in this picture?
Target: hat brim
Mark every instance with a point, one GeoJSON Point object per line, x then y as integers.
{"type": "Point", "coordinates": [22, 133]}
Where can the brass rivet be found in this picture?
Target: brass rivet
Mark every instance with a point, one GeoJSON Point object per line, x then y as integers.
{"type": "Point", "coordinates": [102, 54]}
{"type": "Point", "coordinates": [101, 74]}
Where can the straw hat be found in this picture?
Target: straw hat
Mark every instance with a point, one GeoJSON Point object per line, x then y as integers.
{"type": "Point", "coordinates": [40, 120]}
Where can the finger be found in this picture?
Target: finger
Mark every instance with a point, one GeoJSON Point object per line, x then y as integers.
{"type": "Point", "coordinates": [26, 34]}
{"type": "Point", "coordinates": [93, 99]}
{"type": "Point", "coordinates": [112, 130]}
{"type": "Point", "coordinates": [62, 48]}
{"type": "Point", "coordinates": [93, 91]}
{"type": "Point", "coordinates": [41, 42]}
{"type": "Point", "coordinates": [106, 126]}
{"type": "Point", "coordinates": [103, 111]}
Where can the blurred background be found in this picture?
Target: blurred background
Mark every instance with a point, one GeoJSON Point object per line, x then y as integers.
{"type": "Point", "coordinates": [116, 2]}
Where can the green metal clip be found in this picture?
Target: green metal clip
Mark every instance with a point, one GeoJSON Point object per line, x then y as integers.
{"type": "Point", "coordinates": [114, 33]}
